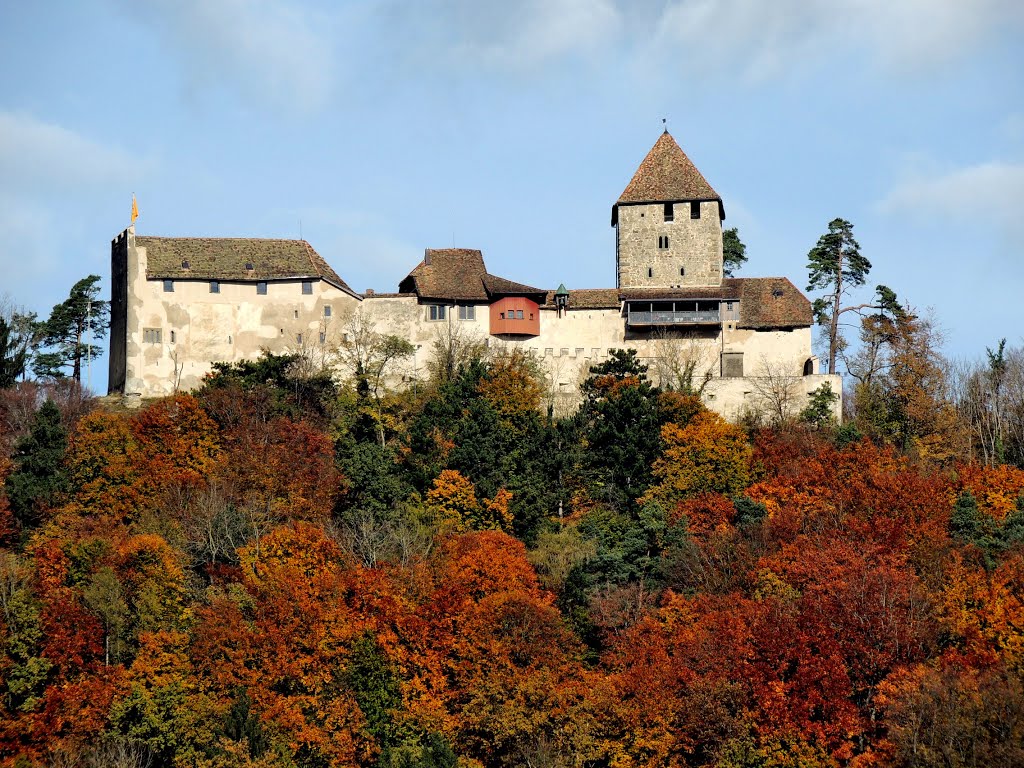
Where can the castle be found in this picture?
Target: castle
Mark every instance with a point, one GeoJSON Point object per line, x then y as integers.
{"type": "Point", "coordinates": [180, 304]}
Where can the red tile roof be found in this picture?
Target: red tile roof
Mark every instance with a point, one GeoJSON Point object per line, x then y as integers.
{"type": "Point", "coordinates": [666, 175]}
{"type": "Point", "coordinates": [459, 274]}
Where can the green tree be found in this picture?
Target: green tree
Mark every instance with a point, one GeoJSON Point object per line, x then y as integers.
{"type": "Point", "coordinates": [64, 333]}
{"type": "Point", "coordinates": [38, 477]}
{"type": "Point", "coordinates": [734, 252]}
{"type": "Point", "coordinates": [13, 351]}
{"type": "Point", "coordinates": [836, 265]}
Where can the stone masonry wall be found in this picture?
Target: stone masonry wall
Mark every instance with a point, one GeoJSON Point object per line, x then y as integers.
{"type": "Point", "coordinates": [694, 245]}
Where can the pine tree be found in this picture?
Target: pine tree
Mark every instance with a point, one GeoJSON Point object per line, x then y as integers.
{"type": "Point", "coordinates": [65, 330]}
{"type": "Point", "coordinates": [39, 475]}
{"type": "Point", "coordinates": [835, 265]}
{"type": "Point", "coordinates": [12, 355]}
{"type": "Point", "coordinates": [734, 252]}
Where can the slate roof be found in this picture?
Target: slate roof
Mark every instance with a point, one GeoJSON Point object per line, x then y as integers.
{"type": "Point", "coordinates": [226, 258]}
{"type": "Point", "coordinates": [459, 274]}
{"type": "Point", "coordinates": [666, 175]}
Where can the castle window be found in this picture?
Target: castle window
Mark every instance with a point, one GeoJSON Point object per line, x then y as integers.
{"type": "Point", "coordinates": [663, 242]}
{"type": "Point", "coordinates": [682, 271]}
{"type": "Point", "coordinates": [173, 339]}
{"type": "Point", "coordinates": [327, 310]}
{"type": "Point", "coordinates": [168, 286]}
{"type": "Point", "coordinates": [151, 335]}
{"type": "Point", "coordinates": [307, 287]}
{"type": "Point", "coordinates": [323, 337]}
{"type": "Point", "coordinates": [650, 271]}
{"type": "Point", "coordinates": [298, 339]}
{"type": "Point", "coordinates": [296, 313]}
{"type": "Point", "coordinates": [669, 214]}
{"type": "Point", "coordinates": [261, 288]}
{"type": "Point", "coordinates": [214, 286]}
{"type": "Point", "coordinates": [694, 209]}
{"type": "Point", "coordinates": [436, 312]}
{"type": "Point", "coordinates": [467, 312]}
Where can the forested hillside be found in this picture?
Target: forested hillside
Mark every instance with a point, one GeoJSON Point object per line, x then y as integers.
{"type": "Point", "coordinates": [278, 570]}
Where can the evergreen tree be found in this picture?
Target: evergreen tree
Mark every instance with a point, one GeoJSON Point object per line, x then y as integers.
{"type": "Point", "coordinates": [13, 351]}
{"type": "Point", "coordinates": [734, 252]}
{"type": "Point", "coordinates": [836, 265]}
{"type": "Point", "coordinates": [64, 333]}
{"type": "Point", "coordinates": [38, 477]}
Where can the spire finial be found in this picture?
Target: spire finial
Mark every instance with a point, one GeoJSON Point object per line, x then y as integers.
{"type": "Point", "coordinates": [664, 123]}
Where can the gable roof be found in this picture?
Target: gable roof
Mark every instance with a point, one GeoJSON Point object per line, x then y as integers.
{"type": "Point", "coordinates": [459, 274]}
{"type": "Point", "coordinates": [666, 175]}
{"type": "Point", "coordinates": [226, 258]}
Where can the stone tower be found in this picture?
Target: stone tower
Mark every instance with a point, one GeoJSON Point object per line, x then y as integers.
{"type": "Point", "coordinates": [668, 224]}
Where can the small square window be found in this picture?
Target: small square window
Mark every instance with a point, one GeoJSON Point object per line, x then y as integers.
{"type": "Point", "coordinates": [437, 312]}
{"type": "Point", "coordinates": [214, 286]}
{"type": "Point", "coordinates": [327, 310]}
{"type": "Point", "coordinates": [694, 209]}
{"type": "Point", "coordinates": [168, 286]}
{"type": "Point", "coordinates": [261, 288]}
{"type": "Point", "coordinates": [307, 287]}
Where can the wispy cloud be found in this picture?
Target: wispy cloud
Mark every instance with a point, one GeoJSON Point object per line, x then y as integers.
{"type": "Point", "coordinates": [988, 194]}
{"type": "Point", "coordinates": [274, 53]}
{"type": "Point", "coordinates": [39, 156]}
{"type": "Point", "coordinates": [764, 40]}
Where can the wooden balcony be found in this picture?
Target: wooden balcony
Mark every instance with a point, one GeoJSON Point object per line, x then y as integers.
{"type": "Point", "coordinates": [672, 313]}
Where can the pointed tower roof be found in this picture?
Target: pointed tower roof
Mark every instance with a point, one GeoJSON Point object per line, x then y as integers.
{"type": "Point", "coordinates": [666, 175]}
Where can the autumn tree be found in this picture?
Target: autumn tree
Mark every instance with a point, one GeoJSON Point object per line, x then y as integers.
{"type": "Point", "coordinates": [82, 314]}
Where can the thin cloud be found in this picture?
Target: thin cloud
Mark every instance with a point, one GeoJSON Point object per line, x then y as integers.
{"type": "Point", "coordinates": [39, 156]}
{"type": "Point", "coordinates": [273, 53]}
{"type": "Point", "coordinates": [990, 194]}
{"type": "Point", "coordinates": [765, 40]}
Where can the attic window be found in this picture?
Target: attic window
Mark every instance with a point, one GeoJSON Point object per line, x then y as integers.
{"type": "Point", "coordinates": [185, 264]}
{"type": "Point", "coordinates": [261, 288]}
{"type": "Point", "coordinates": [694, 209]}
{"type": "Point", "coordinates": [248, 266]}
{"type": "Point", "coordinates": [669, 213]}
{"type": "Point", "coordinates": [777, 293]}
{"type": "Point", "coordinates": [307, 287]}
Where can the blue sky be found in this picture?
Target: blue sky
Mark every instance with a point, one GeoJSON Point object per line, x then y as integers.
{"type": "Point", "coordinates": [382, 128]}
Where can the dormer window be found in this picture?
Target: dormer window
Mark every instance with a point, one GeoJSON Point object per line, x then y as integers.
{"type": "Point", "coordinates": [248, 266]}
{"type": "Point", "coordinates": [694, 209]}
{"type": "Point", "coordinates": [185, 264]}
{"type": "Point", "coordinates": [669, 213]}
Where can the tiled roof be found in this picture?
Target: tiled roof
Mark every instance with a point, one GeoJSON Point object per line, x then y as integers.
{"type": "Point", "coordinates": [458, 274]}
{"type": "Point", "coordinates": [771, 302]}
{"type": "Point", "coordinates": [588, 298]}
{"type": "Point", "coordinates": [226, 258]}
{"type": "Point", "coordinates": [724, 291]}
{"type": "Point", "coordinates": [666, 175]}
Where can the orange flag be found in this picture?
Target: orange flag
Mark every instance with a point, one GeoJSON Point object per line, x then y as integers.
{"type": "Point", "coordinates": [135, 209]}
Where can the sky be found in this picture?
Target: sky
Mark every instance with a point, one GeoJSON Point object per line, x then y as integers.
{"type": "Point", "coordinates": [376, 128]}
